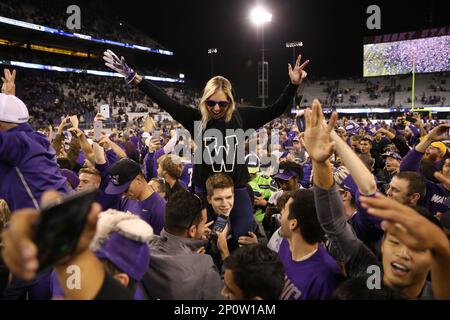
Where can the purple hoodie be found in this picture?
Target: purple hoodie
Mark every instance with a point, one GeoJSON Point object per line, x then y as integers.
{"type": "Point", "coordinates": [28, 167]}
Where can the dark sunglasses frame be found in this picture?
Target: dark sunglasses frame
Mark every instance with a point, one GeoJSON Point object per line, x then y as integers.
{"type": "Point", "coordinates": [222, 103]}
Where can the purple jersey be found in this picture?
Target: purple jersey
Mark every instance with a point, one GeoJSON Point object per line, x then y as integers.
{"type": "Point", "coordinates": [312, 279]}
{"type": "Point", "coordinates": [186, 175]}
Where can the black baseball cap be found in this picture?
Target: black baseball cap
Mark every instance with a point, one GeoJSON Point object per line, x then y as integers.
{"type": "Point", "coordinates": [122, 173]}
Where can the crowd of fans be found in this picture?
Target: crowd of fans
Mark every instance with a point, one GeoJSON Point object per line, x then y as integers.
{"type": "Point", "coordinates": [50, 96]}
{"type": "Point", "coordinates": [329, 202]}
{"type": "Point", "coordinates": [375, 91]}
{"type": "Point", "coordinates": [96, 21]}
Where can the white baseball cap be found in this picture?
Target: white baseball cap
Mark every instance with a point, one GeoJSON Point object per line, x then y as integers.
{"type": "Point", "coordinates": [12, 109]}
{"type": "Point", "coordinates": [145, 135]}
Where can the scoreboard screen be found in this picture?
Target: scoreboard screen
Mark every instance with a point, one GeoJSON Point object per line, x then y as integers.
{"type": "Point", "coordinates": [394, 58]}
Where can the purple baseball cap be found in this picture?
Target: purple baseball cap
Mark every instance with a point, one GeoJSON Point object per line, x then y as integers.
{"type": "Point", "coordinates": [71, 177]}
{"type": "Point", "coordinates": [352, 127]}
{"type": "Point", "coordinates": [285, 174]}
{"type": "Point", "coordinates": [345, 180]}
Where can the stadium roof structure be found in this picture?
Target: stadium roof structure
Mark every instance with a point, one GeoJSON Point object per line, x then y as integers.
{"type": "Point", "coordinates": [27, 32]}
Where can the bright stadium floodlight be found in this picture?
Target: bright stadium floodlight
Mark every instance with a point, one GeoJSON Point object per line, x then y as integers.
{"type": "Point", "coordinates": [260, 15]}
{"type": "Point", "coordinates": [181, 75]}
{"type": "Point", "coordinates": [212, 50]}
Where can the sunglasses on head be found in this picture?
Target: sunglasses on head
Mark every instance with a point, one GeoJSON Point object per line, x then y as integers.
{"type": "Point", "coordinates": [221, 104]}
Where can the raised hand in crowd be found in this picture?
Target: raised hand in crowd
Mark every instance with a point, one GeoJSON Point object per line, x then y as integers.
{"type": "Point", "coordinates": [107, 144]}
{"type": "Point", "coordinates": [119, 65]}
{"type": "Point", "coordinates": [9, 86]}
{"type": "Point", "coordinates": [154, 145]}
{"type": "Point", "coordinates": [64, 123]}
{"type": "Point", "coordinates": [438, 133]}
{"type": "Point", "coordinates": [387, 133]}
{"type": "Point", "coordinates": [99, 117]}
{"type": "Point", "coordinates": [74, 121]}
{"type": "Point", "coordinates": [85, 146]}
{"type": "Point", "coordinates": [298, 74]}
{"type": "Point", "coordinates": [317, 138]}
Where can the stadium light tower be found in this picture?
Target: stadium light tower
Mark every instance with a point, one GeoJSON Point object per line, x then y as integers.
{"type": "Point", "coordinates": [293, 45]}
{"type": "Point", "coordinates": [211, 52]}
{"type": "Point", "coordinates": [259, 16]}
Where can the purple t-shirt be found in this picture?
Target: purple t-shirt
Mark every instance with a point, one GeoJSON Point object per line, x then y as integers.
{"type": "Point", "coordinates": [152, 212]}
{"type": "Point", "coordinates": [312, 279]}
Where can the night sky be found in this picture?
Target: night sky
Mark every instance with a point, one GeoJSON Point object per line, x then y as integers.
{"type": "Point", "coordinates": [331, 31]}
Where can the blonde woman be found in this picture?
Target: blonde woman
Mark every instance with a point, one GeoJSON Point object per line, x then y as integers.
{"type": "Point", "coordinates": [217, 111]}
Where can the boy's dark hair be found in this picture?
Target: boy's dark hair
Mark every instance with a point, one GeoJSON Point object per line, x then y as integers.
{"type": "Point", "coordinates": [303, 209]}
{"type": "Point", "coordinates": [257, 271]}
{"type": "Point", "coordinates": [183, 209]}
{"type": "Point", "coordinates": [292, 166]}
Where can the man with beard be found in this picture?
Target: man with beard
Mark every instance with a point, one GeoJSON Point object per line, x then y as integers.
{"type": "Point", "coordinates": [435, 153]}
{"type": "Point", "coordinates": [436, 193]}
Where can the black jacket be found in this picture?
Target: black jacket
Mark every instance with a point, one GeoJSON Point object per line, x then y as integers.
{"type": "Point", "coordinates": [242, 118]}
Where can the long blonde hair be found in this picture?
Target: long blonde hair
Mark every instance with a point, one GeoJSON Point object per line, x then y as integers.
{"type": "Point", "coordinates": [212, 86]}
